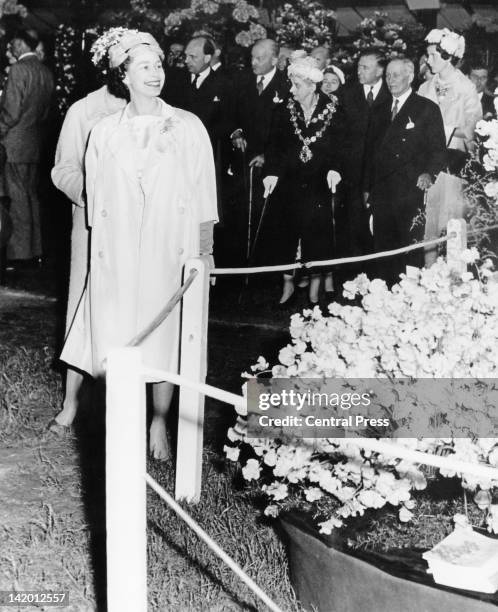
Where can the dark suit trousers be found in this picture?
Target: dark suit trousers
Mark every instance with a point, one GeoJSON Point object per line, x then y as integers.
{"type": "Point", "coordinates": [393, 214]}
{"type": "Point", "coordinates": [21, 183]}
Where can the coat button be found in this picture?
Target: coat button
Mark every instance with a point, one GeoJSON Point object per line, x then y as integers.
{"type": "Point", "coordinates": [101, 254]}
{"type": "Point", "coordinates": [180, 251]}
{"type": "Point", "coordinates": [104, 213]}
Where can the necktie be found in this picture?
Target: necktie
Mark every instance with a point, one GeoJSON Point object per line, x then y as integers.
{"type": "Point", "coordinates": [194, 82]}
{"type": "Point", "coordinates": [394, 111]}
{"type": "Point", "coordinates": [370, 97]}
{"type": "Point", "coordinates": [259, 85]}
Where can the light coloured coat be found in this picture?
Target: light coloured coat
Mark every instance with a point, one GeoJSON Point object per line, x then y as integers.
{"type": "Point", "coordinates": [150, 185]}
{"type": "Point", "coordinates": [68, 176]}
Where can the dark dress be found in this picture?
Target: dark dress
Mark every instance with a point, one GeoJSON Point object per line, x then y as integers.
{"type": "Point", "coordinates": [300, 208]}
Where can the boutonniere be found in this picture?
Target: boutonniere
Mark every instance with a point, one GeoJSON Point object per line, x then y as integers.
{"type": "Point", "coordinates": [277, 99]}
{"type": "Point", "coordinates": [216, 99]}
{"type": "Point", "coordinates": [410, 125]}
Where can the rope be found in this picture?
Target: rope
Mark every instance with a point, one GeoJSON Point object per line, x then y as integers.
{"type": "Point", "coordinates": [163, 314]}
{"type": "Point", "coordinates": [397, 450]}
{"type": "Point", "coordinates": [224, 396]}
{"type": "Point", "coordinates": [343, 260]}
{"type": "Point", "coordinates": [197, 529]}
{"type": "Point", "coordinates": [329, 262]}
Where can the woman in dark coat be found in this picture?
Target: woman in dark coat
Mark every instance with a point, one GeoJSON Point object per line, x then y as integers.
{"type": "Point", "coordinates": [303, 166]}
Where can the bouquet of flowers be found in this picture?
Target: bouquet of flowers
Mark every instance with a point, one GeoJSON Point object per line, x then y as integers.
{"type": "Point", "coordinates": [228, 20]}
{"type": "Point", "coordinates": [433, 324]}
{"type": "Point", "coordinates": [481, 176]}
{"type": "Point", "coordinates": [392, 38]}
{"type": "Point", "coordinates": [304, 24]}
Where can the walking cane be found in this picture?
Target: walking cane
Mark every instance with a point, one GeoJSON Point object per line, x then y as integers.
{"type": "Point", "coordinates": [332, 206]}
{"type": "Point", "coordinates": [249, 214]}
{"type": "Point", "coordinates": [249, 221]}
{"type": "Point", "coordinates": [252, 250]}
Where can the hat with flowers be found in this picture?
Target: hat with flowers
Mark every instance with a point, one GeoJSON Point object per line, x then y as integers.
{"type": "Point", "coordinates": [101, 46]}
{"type": "Point", "coordinates": [450, 42]}
{"type": "Point", "coordinates": [128, 43]}
{"type": "Point", "coordinates": [305, 68]}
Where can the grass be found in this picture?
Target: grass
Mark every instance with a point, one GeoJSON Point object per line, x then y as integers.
{"type": "Point", "coordinates": [52, 534]}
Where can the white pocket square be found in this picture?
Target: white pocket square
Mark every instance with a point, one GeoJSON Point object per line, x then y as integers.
{"type": "Point", "coordinates": [216, 99]}
{"type": "Point", "coordinates": [410, 125]}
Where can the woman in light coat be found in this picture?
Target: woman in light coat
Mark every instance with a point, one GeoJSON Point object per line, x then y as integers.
{"type": "Point", "coordinates": [460, 107]}
{"type": "Point", "coordinates": [151, 201]}
{"type": "Point", "coordinates": [68, 176]}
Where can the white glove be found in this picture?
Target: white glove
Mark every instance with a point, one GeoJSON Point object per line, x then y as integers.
{"type": "Point", "coordinates": [333, 179]}
{"type": "Point", "coordinates": [269, 182]}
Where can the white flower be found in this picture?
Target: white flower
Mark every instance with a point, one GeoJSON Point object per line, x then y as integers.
{"type": "Point", "coordinates": [491, 189]}
{"type": "Point", "coordinates": [327, 526]}
{"type": "Point", "coordinates": [251, 470]}
{"type": "Point", "coordinates": [469, 256]}
{"type": "Point", "coordinates": [232, 452]}
{"type": "Point", "coordinates": [271, 510]}
{"type": "Point", "coordinates": [405, 515]}
{"type": "Point", "coordinates": [313, 494]}
{"type": "Point", "coordinates": [277, 490]}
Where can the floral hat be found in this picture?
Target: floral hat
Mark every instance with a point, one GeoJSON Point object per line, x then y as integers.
{"type": "Point", "coordinates": [448, 41]}
{"type": "Point", "coordinates": [109, 38]}
{"type": "Point", "coordinates": [129, 42]}
{"type": "Point", "coordinates": [305, 68]}
{"type": "Point", "coordinates": [330, 69]}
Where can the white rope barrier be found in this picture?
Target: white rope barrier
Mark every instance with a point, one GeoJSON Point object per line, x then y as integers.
{"type": "Point", "coordinates": [155, 375]}
{"type": "Point", "coordinates": [330, 262]}
{"type": "Point", "coordinates": [393, 450]}
{"type": "Point", "coordinates": [447, 463]}
{"type": "Point", "coordinates": [197, 529]}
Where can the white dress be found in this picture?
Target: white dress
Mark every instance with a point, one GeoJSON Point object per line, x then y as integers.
{"type": "Point", "coordinates": [461, 109]}
{"type": "Point", "coordinates": [150, 183]}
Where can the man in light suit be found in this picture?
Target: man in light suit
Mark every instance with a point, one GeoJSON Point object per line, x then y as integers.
{"type": "Point", "coordinates": [360, 102]}
{"type": "Point", "coordinates": [24, 107]}
{"type": "Point", "coordinates": [408, 152]}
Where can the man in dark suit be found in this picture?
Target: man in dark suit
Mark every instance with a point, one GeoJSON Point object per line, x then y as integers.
{"type": "Point", "coordinates": [258, 94]}
{"type": "Point", "coordinates": [360, 101]}
{"type": "Point", "coordinates": [479, 75]}
{"type": "Point", "coordinates": [408, 153]}
{"type": "Point", "coordinates": [204, 92]}
{"type": "Point", "coordinates": [24, 107]}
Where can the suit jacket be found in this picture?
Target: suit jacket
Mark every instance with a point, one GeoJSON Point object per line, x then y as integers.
{"type": "Point", "coordinates": [488, 107]}
{"type": "Point", "coordinates": [358, 116]}
{"type": "Point", "coordinates": [210, 102]}
{"type": "Point", "coordinates": [411, 145]}
{"type": "Point", "coordinates": [24, 107]}
{"type": "Point", "coordinates": [253, 113]}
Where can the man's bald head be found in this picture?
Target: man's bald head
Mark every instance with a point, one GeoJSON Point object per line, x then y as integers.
{"type": "Point", "coordinates": [321, 56]}
{"type": "Point", "coordinates": [264, 56]}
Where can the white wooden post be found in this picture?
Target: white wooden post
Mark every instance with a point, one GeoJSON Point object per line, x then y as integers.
{"type": "Point", "coordinates": [457, 242]}
{"type": "Point", "coordinates": [125, 483]}
{"type": "Point", "coordinates": [193, 365]}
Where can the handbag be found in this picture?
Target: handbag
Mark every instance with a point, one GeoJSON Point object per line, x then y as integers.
{"type": "Point", "coordinates": [456, 159]}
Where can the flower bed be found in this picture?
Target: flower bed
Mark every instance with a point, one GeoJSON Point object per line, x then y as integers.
{"type": "Point", "coordinates": [435, 324]}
